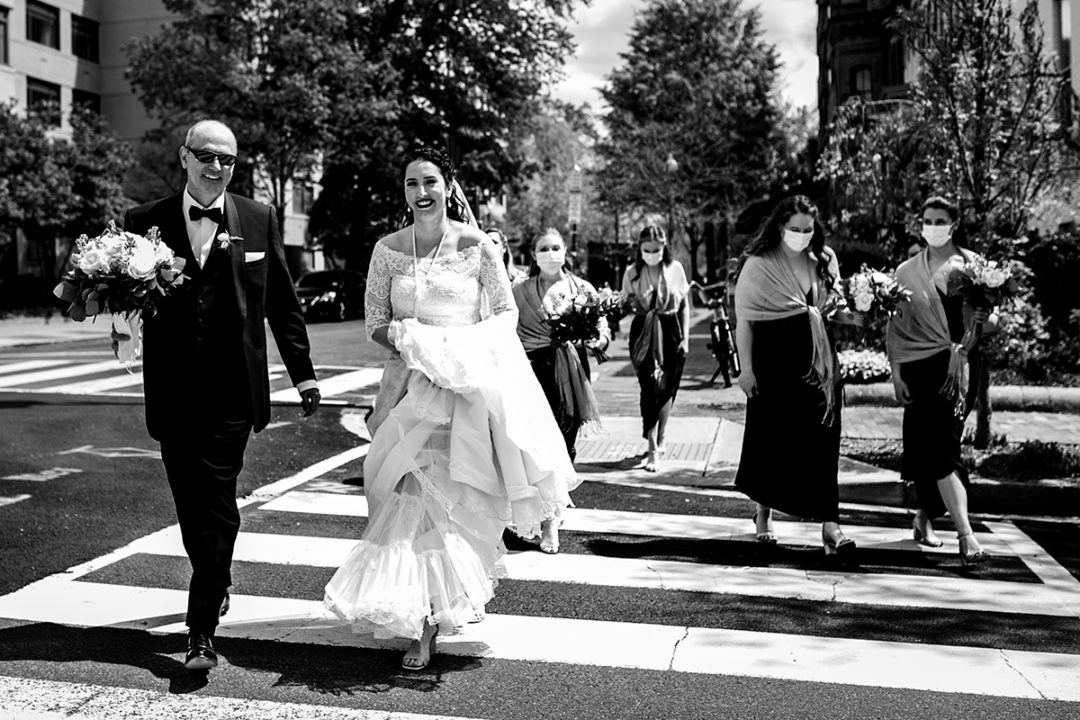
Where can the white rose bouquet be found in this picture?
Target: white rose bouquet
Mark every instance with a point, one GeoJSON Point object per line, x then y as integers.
{"type": "Point", "coordinates": [579, 318]}
{"type": "Point", "coordinates": [872, 291]}
{"type": "Point", "coordinates": [984, 285]}
{"type": "Point", "coordinates": [877, 296]}
{"type": "Point", "coordinates": [124, 274]}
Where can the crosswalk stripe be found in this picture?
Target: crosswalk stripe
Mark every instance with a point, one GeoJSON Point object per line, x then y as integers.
{"type": "Point", "coordinates": [19, 367]}
{"type": "Point", "coordinates": [99, 385]}
{"type": "Point", "coordinates": [885, 589]}
{"type": "Point", "coordinates": [335, 384]}
{"type": "Point", "coordinates": [53, 700]}
{"type": "Point", "coordinates": [29, 378]}
{"type": "Point", "coordinates": [986, 671]}
{"type": "Point", "coordinates": [694, 527]}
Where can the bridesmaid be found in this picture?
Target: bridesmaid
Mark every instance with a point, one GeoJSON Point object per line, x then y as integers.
{"type": "Point", "coordinates": [927, 348]}
{"type": "Point", "coordinates": [562, 370]}
{"type": "Point", "coordinates": [656, 289]}
{"type": "Point", "coordinates": [787, 289]}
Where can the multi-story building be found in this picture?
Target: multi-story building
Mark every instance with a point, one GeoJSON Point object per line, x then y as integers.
{"type": "Point", "coordinates": [66, 52]}
{"type": "Point", "coordinates": [858, 54]}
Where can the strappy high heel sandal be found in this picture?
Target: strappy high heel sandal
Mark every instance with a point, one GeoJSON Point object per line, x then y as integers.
{"type": "Point", "coordinates": [843, 549]}
{"type": "Point", "coordinates": [549, 536]}
{"type": "Point", "coordinates": [412, 662]}
{"type": "Point", "coordinates": [924, 533]}
{"type": "Point", "coordinates": [768, 536]}
{"type": "Point", "coordinates": [968, 559]}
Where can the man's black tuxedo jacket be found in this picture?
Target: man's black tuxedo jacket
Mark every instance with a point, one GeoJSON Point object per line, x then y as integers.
{"type": "Point", "coordinates": [209, 335]}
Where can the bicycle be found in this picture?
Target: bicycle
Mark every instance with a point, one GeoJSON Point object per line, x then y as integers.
{"type": "Point", "coordinates": [722, 338]}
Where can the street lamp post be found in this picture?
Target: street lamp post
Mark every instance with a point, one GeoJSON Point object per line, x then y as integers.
{"type": "Point", "coordinates": [672, 166]}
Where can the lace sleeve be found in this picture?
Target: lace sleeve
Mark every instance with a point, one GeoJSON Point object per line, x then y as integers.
{"type": "Point", "coordinates": [495, 281]}
{"type": "Point", "coordinates": [377, 312]}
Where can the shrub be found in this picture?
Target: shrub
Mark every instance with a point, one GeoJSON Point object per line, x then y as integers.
{"type": "Point", "coordinates": [864, 366]}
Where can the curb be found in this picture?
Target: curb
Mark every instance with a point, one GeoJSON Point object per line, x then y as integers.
{"type": "Point", "coordinates": [1022, 398]}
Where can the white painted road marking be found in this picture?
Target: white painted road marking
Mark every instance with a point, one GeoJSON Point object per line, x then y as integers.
{"type": "Point", "coordinates": [43, 475]}
{"type": "Point", "coordinates": [836, 660]}
{"type": "Point", "coordinates": [25, 699]}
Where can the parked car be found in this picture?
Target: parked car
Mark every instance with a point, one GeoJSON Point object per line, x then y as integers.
{"type": "Point", "coordinates": [331, 294]}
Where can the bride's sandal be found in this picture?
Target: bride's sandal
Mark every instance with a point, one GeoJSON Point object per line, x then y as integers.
{"type": "Point", "coordinates": [414, 659]}
{"type": "Point", "coordinates": [549, 537]}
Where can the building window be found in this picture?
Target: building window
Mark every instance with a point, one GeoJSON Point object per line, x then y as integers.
{"type": "Point", "coordinates": [303, 197]}
{"type": "Point", "coordinates": [43, 98]}
{"type": "Point", "coordinates": [43, 24]}
{"type": "Point", "coordinates": [88, 100]}
{"type": "Point", "coordinates": [861, 81]}
{"type": "Point", "coordinates": [84, 38]}
{"type": "Point", "coordinates": [895, 68]}
{"type": "Point", "coordinates": [4, 36]}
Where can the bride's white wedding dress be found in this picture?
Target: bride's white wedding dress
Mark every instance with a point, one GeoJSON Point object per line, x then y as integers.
{"type": "Point", "coordinates": [463, 445]}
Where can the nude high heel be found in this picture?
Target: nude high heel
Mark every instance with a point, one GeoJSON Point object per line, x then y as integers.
{"type": "Point", "coordinates": [976, 558]}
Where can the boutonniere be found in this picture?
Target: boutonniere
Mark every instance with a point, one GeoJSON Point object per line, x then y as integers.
{"type": "Point", "coordinates": [225, 241]}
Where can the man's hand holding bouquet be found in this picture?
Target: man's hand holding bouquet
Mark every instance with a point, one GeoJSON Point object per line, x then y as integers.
{"type": "Point", "coordinates": [123, 274]}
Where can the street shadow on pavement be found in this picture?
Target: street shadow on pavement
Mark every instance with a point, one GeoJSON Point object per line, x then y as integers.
{"type": "Point", "coordinates": [330, 670]}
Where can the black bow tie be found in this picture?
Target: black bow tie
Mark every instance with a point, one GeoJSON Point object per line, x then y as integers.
{"type": "Point", "coordinates": [197, 213]}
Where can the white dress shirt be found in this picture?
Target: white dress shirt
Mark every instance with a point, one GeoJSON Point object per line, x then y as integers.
{"type": "Point", "coordinates": [201, 232]}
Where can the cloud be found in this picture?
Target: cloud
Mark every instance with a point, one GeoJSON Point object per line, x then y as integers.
{"type": "Point", "coordinates": [602, 33]}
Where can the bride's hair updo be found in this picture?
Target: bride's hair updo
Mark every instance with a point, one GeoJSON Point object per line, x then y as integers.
{"type": "Point", "coordinates": [455, 204]}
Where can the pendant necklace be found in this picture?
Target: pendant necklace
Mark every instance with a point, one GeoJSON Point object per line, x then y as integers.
{"type": "Point", "coordinates": [416, 260]}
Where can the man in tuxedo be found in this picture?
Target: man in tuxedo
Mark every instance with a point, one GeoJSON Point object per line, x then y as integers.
{"type": "Point", "coordinates": [205, 374]}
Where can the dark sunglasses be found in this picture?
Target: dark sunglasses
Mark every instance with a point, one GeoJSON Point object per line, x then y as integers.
{"type": "Point", "coordinates": [205, 156]}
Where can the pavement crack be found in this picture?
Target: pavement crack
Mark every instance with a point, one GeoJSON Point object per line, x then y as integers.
{"type": "Point", "coordinates": [658, 576]}
{"type": "Point", "coordinates": [675, 650]}
{"type": "Point", "coordinates": [1005, 657]}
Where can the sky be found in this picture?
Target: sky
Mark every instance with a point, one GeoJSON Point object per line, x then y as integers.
{"type": "Point", "coordinates": [601, 32]}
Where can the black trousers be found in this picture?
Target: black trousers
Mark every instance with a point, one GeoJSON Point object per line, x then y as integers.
{"type": "Point", "coordinates": [202, 467]}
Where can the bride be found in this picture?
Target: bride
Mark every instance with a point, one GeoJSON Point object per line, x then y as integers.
{"type": "Point", "coordinates": [463, 440]}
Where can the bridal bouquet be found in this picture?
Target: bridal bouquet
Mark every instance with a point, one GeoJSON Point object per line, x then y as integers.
{"type": "Point", "coordinates": [873, 292]}
{"type": "Point", "coordinates": [578, 318]}
{"type": "Point", "coordinates": [124, 274]}
{"type": "Point", "coordinates": [878, 296]}
{"type": "Point", "coordinates": [983, 283]}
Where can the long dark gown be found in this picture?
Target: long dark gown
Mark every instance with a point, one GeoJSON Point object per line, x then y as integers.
{"type": "Point", "coordinates": [932, 432]}
{"type": "Point", "coordinates": [789, 457]}
{"type": "Point", "coordinates": [543, 364]}
{"type": "Point", "coordinates": [654, 394]}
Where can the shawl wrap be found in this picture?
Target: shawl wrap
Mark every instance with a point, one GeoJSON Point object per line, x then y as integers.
{"type": "Point", "coordinates": [576, 397]}
{"type": "Point", "coordinates": [767, 289]}
{"type": "Point", "coordinates": [919, 329]}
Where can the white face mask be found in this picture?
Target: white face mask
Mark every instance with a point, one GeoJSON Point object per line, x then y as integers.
{"type": "Point", "coordinates": [797, 241]}
{"type": "Point", "coordinates": [936, 235]}
{"type": "Point", "coordinates": [652, 259]}
{"type": "Point", "coordinates": [551, 261]}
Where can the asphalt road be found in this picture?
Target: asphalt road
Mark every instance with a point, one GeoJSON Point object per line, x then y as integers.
{"type": "Point", "coordinates": [660, 604]}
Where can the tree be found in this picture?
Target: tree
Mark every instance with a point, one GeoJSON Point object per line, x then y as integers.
{"type": "Point", "coordinates": [988, 121]}
{"type": "Point", "coordinates": [558, 138]}
{"type": "Point", "coordinates": [468, 76]}
{"type": "Point", "coordinates": [698, 86]}
{"type": "Point", "coordinates": [56, 188]}
{"type": "Point", "coordinates": [277, 71]}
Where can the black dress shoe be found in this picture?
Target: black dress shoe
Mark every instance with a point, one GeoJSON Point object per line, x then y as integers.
{"type": "Point", "coordinates": [200, 654]}
{"type": "Point", "coordinates": [224, 605]}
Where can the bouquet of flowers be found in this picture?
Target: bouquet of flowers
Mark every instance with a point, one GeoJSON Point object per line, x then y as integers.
{"type": "Point", "coordinates": [578, 318]}
{"type": "Point", "coordinates": [983, 283]}
{"type": "Point", "coordinates": [873, 292]}
{"type": "Point", "coordinates": [877, 295]}
{"type": "Point", "coordinates": [124, 274]}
